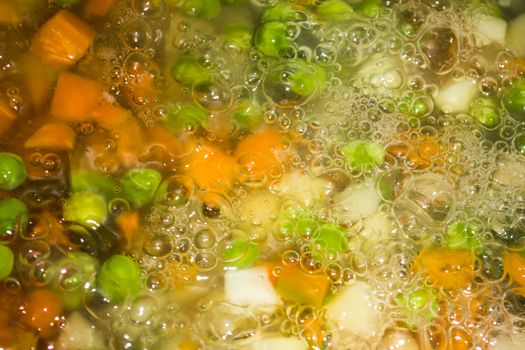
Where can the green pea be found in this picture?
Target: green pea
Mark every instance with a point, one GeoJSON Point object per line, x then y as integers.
{"type": "Point", "coordinates": [85, 208]}
{"type": "Point", "coordinates": [12, 171]}
{"type": "Point", "coordinates": [362, 154]}
{"type": "Point", "coordinates": [240, 254]}
{"type": "Point", "coordinates": [13, 218]}
{"type": "Point", "coordinates": [485, 110]}
{"type": "Point", "coordinates": [271, 38]}
{"type": "Point", "coordinates": [188, 70]}
{"type": "Point", "coordinates": [119, 277]}
{"type": "Point", "coordinates": [333, 237]}
{"type": "Point", "coordinates": [206, 9]}
{"type": "Point", "coordinates": [235, 2]}
{"type": "Point", "coordinates": [238, 36]}
{"type": "Point", "coordinates": [138, 186]}
{"type": "Point", "coordinates": [514, 100]}
{"type": "Point", "coordinates": [307, 228]}
{"type": "Point", "coordinates": [463, 236]}
{"type": "Point", "coordinates": [186, 116]}
{"type": "Point", "coordinates": [336, 10]}
{"type": "Point", "coordinates": [247, 113]}
{"type": "Point", "coordinates": [305, 78]}
{"type": "Point", "coordinates": [369, 8]}
{"type": "Point", "coordinates": [93, 181]}
{"type": "Point", "coordinates": [7, 259]}
{"type": "Point", "coordinates": [283, 11]}
{"type": "Point", "coordinates": [519, 143]}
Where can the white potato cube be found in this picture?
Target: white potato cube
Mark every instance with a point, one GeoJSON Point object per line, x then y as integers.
{"type": "Point", "coordinates": [457, 95]}
{"type": "Point", "coordinates": [489, 29]}
{"type": "Point", "coordinates": [305, 189]}
{"type": "Point", "coordinates": [515, 36]}
{"type": "Point", "coordinates": [354, 310]}
{"type": "Point", "coordinates": [359, 201]}
{"type": "Point", "coordinates": [79, 334]}
{"type": "Point", "coordinates": [249, 287]}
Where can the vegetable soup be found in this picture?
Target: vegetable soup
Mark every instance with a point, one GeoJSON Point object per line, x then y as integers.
{"type": "Point", "coordinates": [262, 174]}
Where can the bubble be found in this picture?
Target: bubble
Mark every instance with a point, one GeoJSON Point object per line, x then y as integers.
{"type": "Point", "coordinates": [204, 239]}
{"type": "Point", "coordinates": [118, 206]}
{"type": "Point", "coordinates": [34, 252]}
{"type": "Point", "coordinates": [215, 96]}
{"type": "Point", "coordinates": [137, 34]}
{"type": "Point", "coordinates": [143, 309]}
{"type": "Point", "coordinates": [148, 8]}
{"type": "Point", "coordinates": [311, 262]}
{"type": "Point", "coordinates": [440, 46]}
{"type": "Point", "coordinates": [205, 261]}
{"type": "Point", "coordinates": [290, 258]}
{"type": "Point", "coordinates": [158, 245]}
{"type": "Point", "coordinates": [70, 277]}
{"type": "Point", "coordinates": [178, 190]}
{"type": "Point", "coordinates": [325, 54]}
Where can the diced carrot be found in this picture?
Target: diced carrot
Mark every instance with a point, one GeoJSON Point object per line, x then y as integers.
{"type": "Point", "coordinates": [39, 78]}
{"type": "Point", "coordinates": [63, 40]}
{"type": "Point", "coordinates": [53, 136]}
{"type": "Point", "coordinates": [141, 85]}
{"type": "Point", "coordinates": [421, 151]}
{"type": "Point", "coordinates": [109, 116]}
{"type": "Point", "coordinates": [210, 167]}
{"type": "Point", "coordinates": [448, 269]}
{"type": "Point", "coordinates": [300, 287]}
{"type": "Point", "coordinates": [7, 116]}
{"type": "Point", "coordinates": [187, 344]}
{"type": "Point", "coordinates": [76, 97]}
{"type": "Point", "coordinates": [128, 223]}
{"type": "Point", "coordinates": [514, 264]}
{"type": "Point", "coordinates": [159, 135]}
{"type": "Point", "coordinates": [261, 155]}
{"type": "Point", "coordinates": [97, 8]}
{"type": "Point", "coordinates": [9, 13]}
{"type": "Point", "coordinates": [42, 310]}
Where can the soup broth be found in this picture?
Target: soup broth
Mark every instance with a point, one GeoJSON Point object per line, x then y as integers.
{"type": "Point", "coordinates": [262, 174]}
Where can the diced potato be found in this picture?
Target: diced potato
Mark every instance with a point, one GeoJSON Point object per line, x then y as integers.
{"type": "Point", "coordinates": [456, 95]}
{"type": "Point", "coordinates": [489, 29]}
{"type": "Point", "coordinates": [53, 136]}
{"type": "Point", "coordinates": [353, 310]}
{"type": "Point", "coordinates": [511, 172]}
{"type": "Point", "coordinates": [382, 72]}
{"type": "Point", "coordinates": [305, 189]}
{"type": "Point", "coordinates": [515, 36]}
{"type": "Point", "coordinates": [249, 287]}
{"type": "Point", "coordinates": [280, 342]}
{"type": "Point", "coordinates": [78, 334]}
{"type": "Point", "coordinates": [358, 201]}
{"type": "Point", "coordinates": [399, 340]}
{"type": "Point", "coordinates": [259, 210]}
{"type": "Point", "coordinates": [63, 40]}
{"type": "Point", "coordinates": [75, 97]}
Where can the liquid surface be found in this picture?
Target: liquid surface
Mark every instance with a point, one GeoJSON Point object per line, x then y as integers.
{"type": "Point", "coordinates": [262, 174]}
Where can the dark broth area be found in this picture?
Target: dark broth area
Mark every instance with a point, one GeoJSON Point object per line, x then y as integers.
{"type": "Point", "coordinates": [206, 174]}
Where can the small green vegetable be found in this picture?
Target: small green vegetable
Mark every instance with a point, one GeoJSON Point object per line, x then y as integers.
{"type": "Point", "coordinates": [13, 217]}
{"type": "Point", "coordinates": [271, 38]}
{"type": "Point", "coordinates": [336, 10]}
{"type": "Point", "coordinates": [86, 208]}
{"type": "Point", "coordinates": [238, 36]}
{"type": "Point", "coordinates": [235, 2]}
{"type": "Point", "coordinates": [369, 8]}
{"type": "Point", "coordinates": [519, 143]}
{"type": "Point", "coordinates": [240, 254]}
{"type": "Point", "coordinates": [247, 113]}
{"type": "Point", "coordinates": [463, 236]}
{"type": "Point", "coordinates": [485, 110]}
{"type": "Point", "coordinates": [138, 186]}
{"type": "Point", "coordinates": [283, 11]}
{"type": "Point", "coordinates": [206, 9]}
{"type": "Point", "coordinates": [363, 154]}
{"type": "Point", "coordinates": [92, 181]}
{"type": "Point", "coordinates": [305, 78]}
{"type": "Point", "coordinates": [7, 259]}
{"type": "Point", "coordinates": [332, 237]}
{"type": "Point", "coordinates": [514, 100]}
{"type": "Point", "coordinates": [420, 303]}
{"type": "Point", "coordinates": [12, 171]}
{"type": "Point", "coordinates": [119, 277]}
{"type": "Point", "coordinates": [188, 115]}
{"type": "Point", "coordinates": [188, 70]}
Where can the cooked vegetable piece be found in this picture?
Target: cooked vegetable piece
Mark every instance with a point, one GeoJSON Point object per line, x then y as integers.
{"type": "Point", "coordinates": [39, 78]}
{"type": "Point", "coordinates": [209, 167]}
{"type": "Point", "coordinates": [446, 268]}
{"type": "Point", "coordinates": [42, 310]}
{"type": "Point", "coordinates": [299, 287]}
{"type": "Point", "coordinates": [53, 136]}
{"type": "Point", "coordinates": [138, 186]}
{"type": "Point", "coordinates": [119, 278]}
{"type": "Point", "coordinates": [485, 110]}
{"type": "Point", "coordinates": [463, 236]}
{"type": "Point", "coordinates": [332, 237]}
{"type": "Point", "coordinates": [13, 172]}
{"type": "Point", "coordinates": [514, 264]}
{"type": "Point", "coordinates": [13, 218]}
{"type": "Point", "coordinates": [456, 95]}
{"type": "Point", "coordinates": [75, 98]}
{"type": "Point", "coordinates": [238, 36]}
{"type": "Point", "coordinates": [362, 155]}
{"type": "Point", "coordinates": [7, 259]}
{"type": "Point", "coordinates": [369, 8]}
{"type": "Point", "coordinates": [7, 116]}
{"type": "Point", "coordinates": [187, 70]}
{"type": "Point", "coordinates": [260, 155]}
{"type": "Point", "coordinates": [98, 8]}
{"type": "Point", "coordinates": [186, 116]}
{"type": "Point", "coordinates": [514, 99]}
{"type": "Point", "coordinates": [283, 11]}
{"type": "Point", "coordinates": [247, 113]}
{"type": "Point", "coordinates": [240, 254]}
{"type": "Point", "coordinates": [93, 181]}
{"type": "Point", "coordinates": [337, 10]}
{"type": "Point", "coordinates": [63, 40]}
{"type": "Point", "coordinates": [271, 38]}
{"type": "Point", "coordinates": [249, 287]}
{"type": "Point", "coordinates": [110, 116]}
{"type": "Point", "coordinates": [206, 9]}
{"type": "Point", "coordinates": [9, 13]}
{"type": "Point", "coordinates": [129, 226]}
{"type": "Point", "coordinates": [86, 208]}
{"type": "Point", "coordinates": [131, 143]}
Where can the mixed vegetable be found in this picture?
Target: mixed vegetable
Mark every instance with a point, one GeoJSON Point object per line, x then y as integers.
{"type": "Point", "coordinates": [262, 174]}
